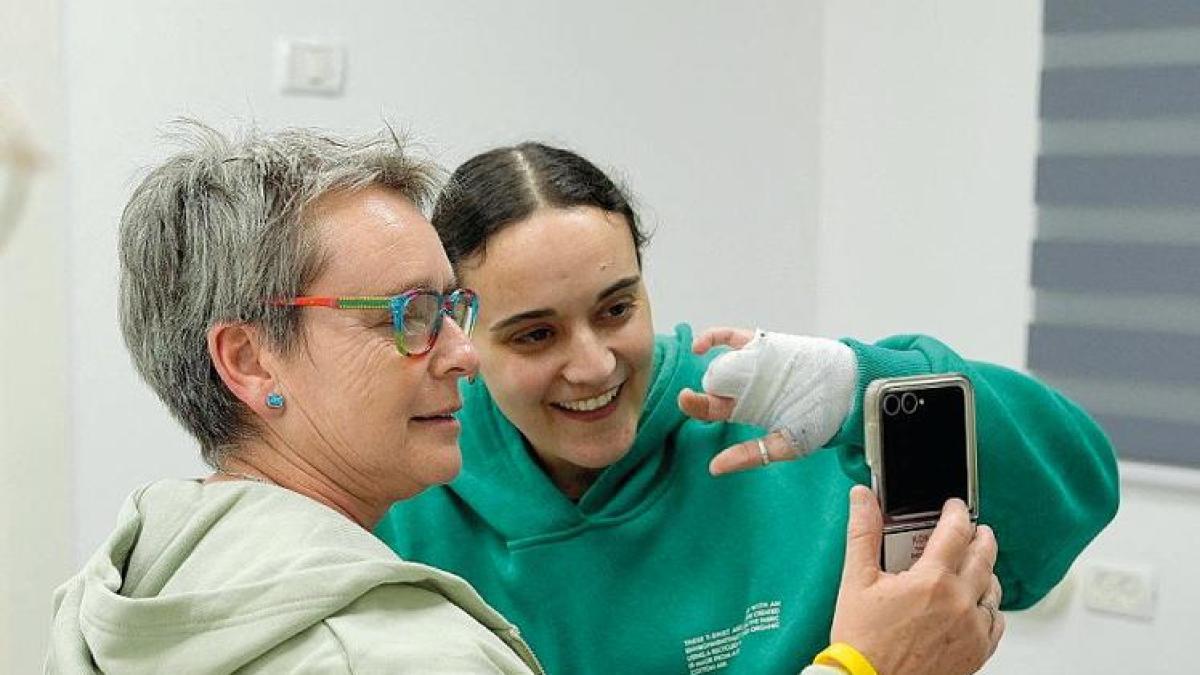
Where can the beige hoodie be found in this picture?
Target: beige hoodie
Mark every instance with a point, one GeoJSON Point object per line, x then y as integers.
{"type": "Point", "coordinates": [247, 577]}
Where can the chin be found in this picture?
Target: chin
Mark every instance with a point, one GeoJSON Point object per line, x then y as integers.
{"type": "Point", "coordinates": [436, 465]}
{"type": "Point", "coordinates": [592, 457]}
{"type": "Point", "coordinates": [443, 472]}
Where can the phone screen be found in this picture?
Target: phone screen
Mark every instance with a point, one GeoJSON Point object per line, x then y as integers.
{"type": "Point", "coordinates": [924, 448]}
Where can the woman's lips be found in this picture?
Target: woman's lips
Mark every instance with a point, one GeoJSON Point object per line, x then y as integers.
{"type": "Point", "coordinates": [445, 417]}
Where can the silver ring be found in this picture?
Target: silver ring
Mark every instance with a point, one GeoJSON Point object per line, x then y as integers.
{"type": "Point", "coordinates": [992, 611]}
{"type": "Point", "coordinates": [763, 453]}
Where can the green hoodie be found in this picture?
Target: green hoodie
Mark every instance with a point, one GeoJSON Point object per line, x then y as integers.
{"type": "Point", "coordinates": [660, 568]}
{"type": "Point", "coordinates": [258, 579]}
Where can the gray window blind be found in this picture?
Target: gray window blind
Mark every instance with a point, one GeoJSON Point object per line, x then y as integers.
{"type": "Point", "coordinates": [1116, 262]}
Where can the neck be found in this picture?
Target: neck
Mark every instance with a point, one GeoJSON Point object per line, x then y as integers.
{"type": "Point", "coordinates": [263, 462]}
{"type": "Point", "coordinates": [571, 480]}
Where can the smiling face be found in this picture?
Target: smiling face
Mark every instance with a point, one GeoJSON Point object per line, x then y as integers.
{"type": "Point", "coordinates": [374, 420]}
{"type": "Point", "coordinates": [565, 337]}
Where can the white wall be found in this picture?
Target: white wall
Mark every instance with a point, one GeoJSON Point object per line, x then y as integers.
{"type": "Point", "coordinates": [929, 136]}
{"type": "Point", "coordinates": [710, 109]}
{"type": "Point", "coordinates": [35, 505]}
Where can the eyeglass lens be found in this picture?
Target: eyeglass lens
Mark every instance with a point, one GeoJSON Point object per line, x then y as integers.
{"type": "Point", "coordinates": [422, 317]}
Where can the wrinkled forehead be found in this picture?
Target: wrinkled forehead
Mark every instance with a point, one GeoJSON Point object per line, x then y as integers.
{"type": "Point", "coordinates": [375, 241]}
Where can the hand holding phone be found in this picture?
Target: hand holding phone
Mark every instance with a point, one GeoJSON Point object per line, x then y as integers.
{"type": "Point", "coordinates": [938, 618]}
{"type": "Point", "coordinates": [920, 437]}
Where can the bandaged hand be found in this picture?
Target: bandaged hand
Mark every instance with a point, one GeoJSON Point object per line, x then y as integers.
{"type": "Point", "coordinates": [800, 388]}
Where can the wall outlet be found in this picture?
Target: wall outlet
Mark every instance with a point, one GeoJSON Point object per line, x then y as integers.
{"type": "Point", "coordinates": [1127, 590]}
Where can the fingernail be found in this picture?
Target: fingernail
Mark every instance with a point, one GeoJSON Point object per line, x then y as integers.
{"type": "Point", "coordinates": [859, 495]}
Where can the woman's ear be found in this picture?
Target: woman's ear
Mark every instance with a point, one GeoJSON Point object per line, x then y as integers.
{"type": "Point", "coordinates": [237, 353]}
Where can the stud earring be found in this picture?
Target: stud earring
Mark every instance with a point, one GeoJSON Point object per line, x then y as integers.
{"type": "Point", "coordinates": [275, 400]}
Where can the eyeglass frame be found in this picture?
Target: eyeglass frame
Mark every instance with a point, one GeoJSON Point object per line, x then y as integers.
{"type": "Point", "coordinates": [397, 304]}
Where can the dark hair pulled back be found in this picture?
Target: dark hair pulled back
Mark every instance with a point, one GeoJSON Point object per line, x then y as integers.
{"type": "Point", "coordinates": [507, 185]}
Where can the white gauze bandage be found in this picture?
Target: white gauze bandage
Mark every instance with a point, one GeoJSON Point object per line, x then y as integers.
{"type": "Point", "coordinates": [802, 384]}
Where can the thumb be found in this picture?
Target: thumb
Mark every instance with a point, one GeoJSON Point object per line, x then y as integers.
{"type": "Point", "coordinates": [864, 536]}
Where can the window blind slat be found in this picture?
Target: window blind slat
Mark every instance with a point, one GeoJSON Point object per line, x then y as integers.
{"type": "Point", "coordinates": [1174, 45]}
{"type": "Point", "coordinates": [1167, 313]}
{"type": "Point", "coordinates": [1152, 440]}
{"type": "Point", "coordinates": [1121, 137]}
{"type": "Point", "coordinates": [1134, 180]}
{"type": "Point", "coordinates": [1116, 267]}
{"type": "Point", "coordinates": [1164, 401]}
{"type": "Point", "coordinates": [1173, 225]}
{"type": "Point", "coordinates": [1120, 93]}
{"type": "Point", "coordinates": [1107, 352]}
{"type": "Point", "coordinates": [1081, 16]}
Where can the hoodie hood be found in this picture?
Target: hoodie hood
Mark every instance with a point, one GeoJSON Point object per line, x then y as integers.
{"type": "Point", "coordinates": [207, 578]}
{"type": "Point", "coordinates": [503, 485]}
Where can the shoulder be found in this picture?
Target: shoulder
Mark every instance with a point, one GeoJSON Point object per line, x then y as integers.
{"type": "Point", "coordinates": [408, 628]}
{"type": "Point", "coordinates": [224, 534]}
{"type": "Point", "coordinates": [282, 514]}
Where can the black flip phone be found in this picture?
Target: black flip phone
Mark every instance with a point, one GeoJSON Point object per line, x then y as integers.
{"type": "Point", "coordinates": [920, 436]}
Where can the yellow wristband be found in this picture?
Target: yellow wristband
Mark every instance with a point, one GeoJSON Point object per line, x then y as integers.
{"type": "Point", "coordinates": [848, 658]}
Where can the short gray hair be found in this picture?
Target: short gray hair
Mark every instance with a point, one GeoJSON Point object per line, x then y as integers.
{"type": "Point", "coordinates": [219, 228]}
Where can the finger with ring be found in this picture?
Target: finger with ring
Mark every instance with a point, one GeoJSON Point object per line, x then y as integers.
{"type": "Point", "coordinates": [763, 453]}
{"type": "Point", "coordinates": [992, 613]}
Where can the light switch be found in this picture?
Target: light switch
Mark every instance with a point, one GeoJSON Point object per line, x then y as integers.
{"type": "Point", "coordinates": [310, 67]}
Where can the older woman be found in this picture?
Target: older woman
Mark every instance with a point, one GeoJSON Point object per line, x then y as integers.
{"type": "Point", "coordinates": [289, 303]}
{"type": "Point", "coordinates": [586, 512]}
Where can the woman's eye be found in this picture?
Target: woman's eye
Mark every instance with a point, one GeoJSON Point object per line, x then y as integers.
{"type": "Point", "coordinates": [618, 310]}
{"type": "Point", "coordinates": [533, 337]}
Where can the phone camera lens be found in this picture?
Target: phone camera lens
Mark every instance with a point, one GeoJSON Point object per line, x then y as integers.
{"type": "Point", "coordinates": [891, 404]}
{"type": "Point", "coordinates": [908, 403]}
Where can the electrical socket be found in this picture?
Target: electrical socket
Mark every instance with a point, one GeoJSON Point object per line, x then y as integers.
{"type": "Point", "coordinates": [1127, 590]}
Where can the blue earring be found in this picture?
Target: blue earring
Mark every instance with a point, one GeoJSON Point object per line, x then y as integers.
{"type": "Point", "coordinates": [274, 400]}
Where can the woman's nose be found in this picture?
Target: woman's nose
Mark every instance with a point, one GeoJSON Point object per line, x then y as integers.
{"type": "Point", "coordinates": [454, 354]}
{"type": "Point", "coordinates": [590, 360]}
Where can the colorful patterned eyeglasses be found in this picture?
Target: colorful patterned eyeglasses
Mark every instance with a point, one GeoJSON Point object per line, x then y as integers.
{"type": "Point", "coordinates": [416, 315]}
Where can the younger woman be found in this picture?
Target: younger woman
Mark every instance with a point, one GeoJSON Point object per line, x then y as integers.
{"type": "Point", "coordinates": [585, 510]}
